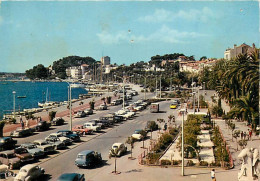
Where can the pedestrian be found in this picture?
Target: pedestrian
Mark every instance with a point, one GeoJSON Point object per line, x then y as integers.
{"type": "Point", "coordinates": [242, 135]}
{"type": "Point", "coordinates": [213, 175]}
{"type": "Point", "coordinates": [22, 124]}
{"type": "Point", "coordinates": [250, 135]}
{"type": "Point", "coordinates": [27, 123]}
{"type": "Point", "coordinates": [165, 126]}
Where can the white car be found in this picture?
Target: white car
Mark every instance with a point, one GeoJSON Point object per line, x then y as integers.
{"type": "Point", "coordinates": [62, 138]}
{"type": "Point", "coordinates": [29, 172]}
{"type": "Point", "coordinates": [92, 125]}
{"type": "Point", "coordinates": [137, 136]}
{"type": "Point", "coordinates": [120, 147]}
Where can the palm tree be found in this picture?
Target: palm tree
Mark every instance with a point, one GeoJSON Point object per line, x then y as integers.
{"type": "Point", "coordinates": [115, 152]}
{"type": "Point", "coordinates": [131, 141]}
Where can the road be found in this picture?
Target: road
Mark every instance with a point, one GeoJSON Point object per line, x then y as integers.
{"type": "Point", "coordinates": [102, 144]}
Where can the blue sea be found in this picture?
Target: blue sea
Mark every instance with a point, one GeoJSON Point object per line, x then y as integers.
{"type": "Point", "coordinates": [35, 92]}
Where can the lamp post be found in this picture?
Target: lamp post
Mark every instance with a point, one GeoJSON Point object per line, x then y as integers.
{"type": "Point", "coordinates": [160, 86]}
{"type": "Point", "coordinates": [156, 86]}
{"type": "Point", "coordinates": [14, 103]}
{"type": "Point", "coordinates": [70, 105]}
{"type": "Point", "coordinates": [198, 99]}
{"type": "Point", "coordinates": [182, 143]}
{"type": "Point", "coordinates": [123, 78]}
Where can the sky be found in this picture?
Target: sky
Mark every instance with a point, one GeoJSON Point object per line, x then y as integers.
{"type": "Point", "coordinates": [41, 32]}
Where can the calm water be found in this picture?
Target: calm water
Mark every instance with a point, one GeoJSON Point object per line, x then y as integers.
{"type": "Point", "coordinates": [35, 92]}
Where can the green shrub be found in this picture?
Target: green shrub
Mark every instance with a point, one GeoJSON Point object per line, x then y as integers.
{"type": "Point", "coordinates": [165, 162]}
{"type": "Point", "coordinates": [190, 163]}
{"type": "Point", "coordinates": [176, 162]}
{"type": "Point", "coordinates": [204, 163]}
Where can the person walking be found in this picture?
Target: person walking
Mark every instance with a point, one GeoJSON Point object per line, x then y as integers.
{"type": "Point", "coordinates": [213, 175]}
{"type": "Point", "coordinates": [250, 135]}
{"type": "Point", "coordinates": [27, 123]}
{"type": "Point", "coordinates": [242, 135]}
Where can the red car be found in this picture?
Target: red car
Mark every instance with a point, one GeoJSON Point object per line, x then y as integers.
{"type": "Point", "coordinates": [80, 129]}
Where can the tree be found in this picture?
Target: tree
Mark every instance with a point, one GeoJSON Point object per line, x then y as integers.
{"type": "Point", "coordinates": [52, 115]}
{"type": "Point", "coordinates": [131, 141]}
{"type": "Point", "coordinates": [203, 58]}
{"type": "Point", "coordinates": [114, 152]}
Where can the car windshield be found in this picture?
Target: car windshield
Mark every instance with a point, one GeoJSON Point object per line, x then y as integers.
{"type": "Point", "coordinates": [11, 155]}
{"type": "Point", "coordinates": [32, 146]}
{"type": "Point", "coordinates": [81, 156]}
{"type": "Point", "coordinates": [115, 147]}
{"type": "Point", "coordinates": [20, 151]}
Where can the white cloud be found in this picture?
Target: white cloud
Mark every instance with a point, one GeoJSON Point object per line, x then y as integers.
{"type": "Point", "coordinates": [162, 15]}
{"type": "Point", "coordinates": [164, 34]}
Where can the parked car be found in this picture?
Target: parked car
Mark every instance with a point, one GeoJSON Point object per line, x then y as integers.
{"type": "Point", "coordinates": [69, 134]}
{"type": "Point", "coordinates": [137, 135]}
{"type": "Point", "coordinates": [116, 102]}
{"type": "Point", "coordinates": [44, 146]}
{"type": "Point", "coordinates": [98, 123]}
{"type": "Point", "coordinates": [119, 118]}
{"type": "Point", "coordinates": [65, 140]}
{"type": "Point", "coordinates": [5, 173]}
{"type": "Point", "coordinates": [7, 143]}
{"type": "Point", "coordinates": [57, 121]}
{"type": "Point", "coordinates": [29, 172]}
{"type": "Point", "coordinates": [42, 126]}
{"type": "Point", "coordinates": [19, 132]}
{"type": "Point", "coordinates": [23, 154]}
{"type": "Point", "coordinates": [71, 177]}
{"type": "Point", "coordinates": [102, 107]}
{"type": "Point", "coordinates": [120, 147]}
{"type": "Point", "coordinates": [109, 117]}
{"type": "Point", "coordinates": [56, 143]}
{"type": "Point", "coordinates": [9, 158]}
{"type": "Point", "coordinates": [80, 114]}
{"type": "Point", "coordinates": [88, 111]}
{"type": "Point", "coordinates": [92, 126]}
{"type": "Point", "coordinates": [33, 150]}
{"type": "Point", "coordinates": [82, 130]}
{"type": "Point", "coordinates": [88, 158]}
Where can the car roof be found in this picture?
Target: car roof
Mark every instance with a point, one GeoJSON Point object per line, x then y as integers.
{"type": "Point", "coordinates": [7, 152]}
{"type": "Point", "coordinates": [67, 176]}
{"type": "Point", "coordinates": [28, 166]}
{"type": "Point", "coordinates": [117, 144]}
{"type": "Point", "coordinates": [39, 141]}
{"type": "Point", "coordinates": [27, 144]}
{"type": "Point", "coordinates": [5, 138]}
{"type": "Point", "coordinates": [85, 152]}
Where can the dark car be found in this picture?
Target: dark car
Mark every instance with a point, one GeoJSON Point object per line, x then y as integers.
{"type": "Point", "coordinates": [42, 126]}
{"type": "Point", "coordinates": [33, 150]}
{"type": "Point", "coordinates": [71, 177]}
{"type": "Point", "coordinates": [88, 111]}
{"type": "Point", "coordinates": [57, 121]}
{"type": "Point", "coordinates": [9, 158]}
{"type": "Point", "coordinates": [69, 134]}
{"type": "Point", "coordinates": [88, 158]}
{"type": "Point", "coordinates": [23, 154]}
{"type": "Point", "coordinates": [118, 118]}
{"type": "Point", "coordinates": [7, 143]}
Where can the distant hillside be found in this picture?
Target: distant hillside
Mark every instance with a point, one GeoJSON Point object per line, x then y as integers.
{"type": "Point", "coordinates": [60, 65]}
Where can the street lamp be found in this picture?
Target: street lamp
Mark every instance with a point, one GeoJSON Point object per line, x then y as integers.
{"type": "Point", "coordinates": [14, 103]}
{"type": "Point", "coordinates": [69, 101]}
{"type": "Point", "coordinates": [182, 142]}
{"type": "Point", "coordinates": [123, 78]}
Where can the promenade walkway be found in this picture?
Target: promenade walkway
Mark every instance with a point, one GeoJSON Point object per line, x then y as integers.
{"type": "Point", "coordinates": [62, 111]}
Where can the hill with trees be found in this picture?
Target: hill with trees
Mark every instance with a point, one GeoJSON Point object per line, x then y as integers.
{"type": "Point", "coordinates": [59, 66]}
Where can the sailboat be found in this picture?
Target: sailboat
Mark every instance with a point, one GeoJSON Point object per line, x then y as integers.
{"type": "Point", "coordinates": [46, 103]}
